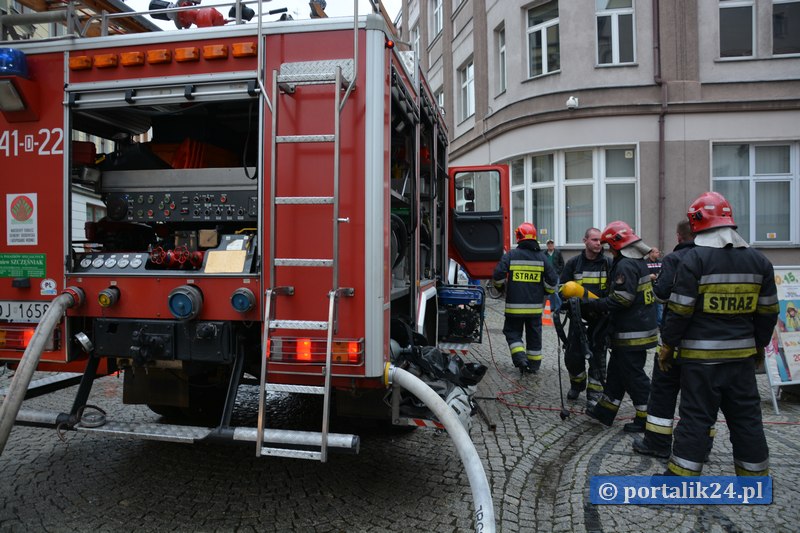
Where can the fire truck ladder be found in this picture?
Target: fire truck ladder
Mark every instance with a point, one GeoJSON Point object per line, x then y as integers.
{"type": "Point", "coordinates": [284, 83]}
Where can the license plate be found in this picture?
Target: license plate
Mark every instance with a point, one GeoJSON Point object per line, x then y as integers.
{"type": "Point", "coordinates": [17, 311]}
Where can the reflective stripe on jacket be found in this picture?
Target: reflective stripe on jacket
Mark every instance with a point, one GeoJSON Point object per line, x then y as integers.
{"type": "Point", "coordinates": [632, 305]}
{"type": "Point", "coordinates": [723, 305]}
{"type": "Point", "coordinates": [528, 277]}
{"type": "Point", "coordinates": [591, 274]}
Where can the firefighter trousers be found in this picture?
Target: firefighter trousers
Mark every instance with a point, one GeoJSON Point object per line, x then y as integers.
{"type": "Point", "coordinates": [576, 363]}
{"type": "Point", "coordinates": [625, 374]}
{"type": "Point", "coordinates": [706, 389]}
{"type": "Point", "coordinates": [529, 349]}
{"type": "Point", "coordinates": [664, 389]}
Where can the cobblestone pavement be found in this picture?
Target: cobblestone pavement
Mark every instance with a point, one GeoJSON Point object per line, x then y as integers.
{"type": "Point", "coordinates": [539, 468]}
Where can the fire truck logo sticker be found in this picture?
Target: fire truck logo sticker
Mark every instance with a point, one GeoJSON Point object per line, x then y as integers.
{"type": "Point", "coordinates": [22, 220]}
{"type": "Point", "coordinates": [22, 208]}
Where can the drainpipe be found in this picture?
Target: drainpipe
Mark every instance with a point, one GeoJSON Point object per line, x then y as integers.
{"type": "Point", "coordinates": [661, 120]}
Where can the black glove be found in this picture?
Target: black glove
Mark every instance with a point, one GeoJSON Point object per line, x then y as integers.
{"type": "Point", "coordinates": [590, 306]}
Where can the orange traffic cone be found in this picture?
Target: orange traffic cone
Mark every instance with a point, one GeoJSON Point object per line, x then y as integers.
{"type": "Point", "coordinates": [547, 316]}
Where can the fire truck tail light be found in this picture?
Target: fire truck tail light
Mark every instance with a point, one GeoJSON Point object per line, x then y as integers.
{"type": "Point", "coordinates": [215, 51]}
{"type": "Point", "coordinates": [303, 349]}
{"type": "Point", "coordinates": [105, 60]}
{"type": "Point", "coordinates": [159, 56]}
{"type": "Point", "coordinates": [131, 59]}
{"type": "Point", "coordinates": [80, 63]}
{"type": "Point", "coordinates": [18, 337]}
{"type": "Point", "coordinates": [353, 351]}
{"type": "Point", "coordinates": [191, 53]}
{"type": "Point", "coordinates": [311, 350]}
{"type": "Point", "coordinates": [244, 50]}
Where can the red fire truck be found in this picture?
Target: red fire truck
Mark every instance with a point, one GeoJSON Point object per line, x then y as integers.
{"type": "Point", "coordinates": [276, 203]}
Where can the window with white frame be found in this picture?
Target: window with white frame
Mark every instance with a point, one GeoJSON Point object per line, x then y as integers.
{"type": "Point", "coordinates": [439, 96]}
{"type": "Point", "coordinates": [761, 182]}
{"type": "Point", "coordinates": [736, 28]}
{"type": "Point", "coordinates": [563, 193]}
{"type": "Point", "coordinates": [785, 27]}
{"type": "Point", "coordinates": [615, 32]}
{"type": "Point", "coordinates": [466, 100]}
{"type": "Point", "coordinates": [500, 40]}
{"type": "Point", "coordinates": [437, 18]}
{"type": "Point", "coordinates": [544, 54]}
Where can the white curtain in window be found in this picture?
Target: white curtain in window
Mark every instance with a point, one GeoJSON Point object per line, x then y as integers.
{"type": "Point", "coordinates": [578, 211]}
{"type": "Point", "coordinates": [621, 203]}
{"type": "Point", "coordinates": [772, 159]}
{"type": "Point", "coordinates": [737, 192]}
{"type": "Point", "coordinates": [544, 212]}
{"type": "Point", "coordinates": [731, 160]}
{"type": "Point", "coordinates": [772, 211]}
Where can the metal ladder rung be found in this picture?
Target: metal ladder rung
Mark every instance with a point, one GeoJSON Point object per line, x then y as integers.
{"type": "Point", "coordinates": [299, 262]}
{"type": "Point", "coordinates": [304, 139]}
{"type": "Point", "coordinates": [303, 200]}
{"type": "Point", "coordinates": [297, 389]}
{"type": "Point", "coordinates": [288, 452]}
{"type": "Point", "coordinates": [311, 79]}
{"type": "Point", "coordinates": [298, 324]}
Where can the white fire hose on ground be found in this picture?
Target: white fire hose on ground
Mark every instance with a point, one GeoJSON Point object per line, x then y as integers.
{"type": "Point", "coordinates": [481, 493]}
{"type": "Point", "coordinates": [30, 359]}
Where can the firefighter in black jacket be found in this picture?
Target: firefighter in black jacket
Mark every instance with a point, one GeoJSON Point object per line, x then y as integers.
{"type": "Point", "coordinates": [590, 270]}
{"type": "Point", "coordinates": [631, 304]}
{"type": "Point", "coordinates": [664, 386]}
{"type": "Point", "coordinates": [721, 314]}
{"type": "Point", "coordinates": [527, 277]}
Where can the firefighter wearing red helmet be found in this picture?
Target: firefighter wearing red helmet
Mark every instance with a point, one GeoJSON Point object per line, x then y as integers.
{"type": "Point", "coordinates": [720, 315]}
{"type": "Point", "coordinates": [631, 305]}
{"type": "Point", "coordinates": [527, 277]}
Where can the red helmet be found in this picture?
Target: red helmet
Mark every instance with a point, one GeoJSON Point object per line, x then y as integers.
{"type": "Point", "coordinates": [710, 210]}
{"type": "Point", "coordinates": [525, 232]}
{"type": "Point", "coordinates": [618, 235]}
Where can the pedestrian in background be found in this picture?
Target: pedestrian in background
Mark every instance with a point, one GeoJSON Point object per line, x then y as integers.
{"type": "Point", "coordinates": [590, 270]}
{"type": "Point", "coordinates": [721, 314]}
{"type": "Point", "coordinates": [630, 302]}
{"type": "Point", "coordinates": [654, 262]}
{"type": "Point", "coordinates": [554, 256]}
{"type": "Point", "coordinates": [527, 277]}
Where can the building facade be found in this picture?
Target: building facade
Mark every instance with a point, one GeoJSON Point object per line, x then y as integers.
{"type": "Point", "coordinates": [624, 109]}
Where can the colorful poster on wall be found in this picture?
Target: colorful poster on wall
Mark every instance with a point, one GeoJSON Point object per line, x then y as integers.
{"type": "Point", "coordinates": [783, 353]}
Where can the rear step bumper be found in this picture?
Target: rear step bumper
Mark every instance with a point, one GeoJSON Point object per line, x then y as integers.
{"type": "Point", "coordinates": [301, 441]}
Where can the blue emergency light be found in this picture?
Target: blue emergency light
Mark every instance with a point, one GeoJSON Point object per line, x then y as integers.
{"type": "Point", "coordinates": [13, 63]}
{"type": "Point", "coordinates": [13, 80]}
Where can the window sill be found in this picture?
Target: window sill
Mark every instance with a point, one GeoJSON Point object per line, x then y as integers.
{"type": "Point", "coordinates": [616, 65]}
{"type": "Point", "coordinates": [463, 120]}
{"type": "Point", "coordinates": [540, 76]}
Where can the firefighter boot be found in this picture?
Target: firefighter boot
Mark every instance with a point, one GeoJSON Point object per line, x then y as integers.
{"type": "Point", "coordinates": [637, 426]}
{"type": "Point", "coordinates": [643, 447]}
{"type": "Point", "coordinates": [577, 384]}
{"type": "Point", "coordinates": [534, 365]}
{"type": "Point", "coordinates": [592, 397]}
{"type": "Point", "coordinates": [601, 416]}
{"type": "Point", "coordinates": [521, 362]}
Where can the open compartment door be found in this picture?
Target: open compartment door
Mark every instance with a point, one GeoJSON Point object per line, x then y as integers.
{"type": "Point", "coordinates": [479, 217]}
